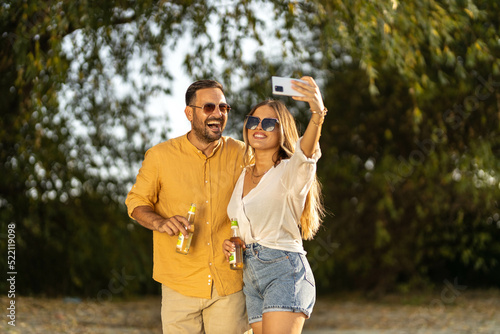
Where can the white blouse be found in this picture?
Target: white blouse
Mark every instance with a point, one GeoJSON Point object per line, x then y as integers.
{"type": "Point", "coordinates": [270, 213]}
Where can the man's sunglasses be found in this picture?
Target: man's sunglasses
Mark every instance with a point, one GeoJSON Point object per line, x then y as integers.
{"type": "Point", "coordinates": [268, 124]}
{"type": "Point", "coordinates": [209, 108]}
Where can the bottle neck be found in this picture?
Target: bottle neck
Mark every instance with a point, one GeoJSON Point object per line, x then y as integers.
{"type": "Point", "coordinates": [235, 232]}
{"type": "Point", "coordinates": [190, 217]}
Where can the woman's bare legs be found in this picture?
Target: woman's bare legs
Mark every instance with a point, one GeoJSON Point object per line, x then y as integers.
{"type": "Point", "coordinates": [280, 323]}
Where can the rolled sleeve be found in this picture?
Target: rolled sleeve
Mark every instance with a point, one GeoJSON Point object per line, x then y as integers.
{"type": "Point", "coordinates": [301, 157]}
{"type": "Point", "coordinates": [145, 190]}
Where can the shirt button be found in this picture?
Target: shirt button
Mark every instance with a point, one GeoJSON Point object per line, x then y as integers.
{"type": "Point", "coordinates": [209, 276]}
{"type": "Point", "coordinates": [206, 201]}
{"type": "Point", "coordinates": [210, 263]}
{"type": "Point", "coordinates": [208, 244]}
{"type": "Point", "coordinates": [208, 223]}
{"type": "Point", "coordinates": [206, 181]}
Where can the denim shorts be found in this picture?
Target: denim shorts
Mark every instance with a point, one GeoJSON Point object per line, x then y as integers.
{"type": "Point", "coordinates": [276, 280]}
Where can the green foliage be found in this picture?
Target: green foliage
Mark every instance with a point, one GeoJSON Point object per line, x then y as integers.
{"type": "Point", "coordinates": [413, 204]}
{"type": "Point", "coordinates": [410, 147]}
{"type": "Point", "coordinates": [65, 167]}
{"type": "Point", "coordinates": [410, 165]}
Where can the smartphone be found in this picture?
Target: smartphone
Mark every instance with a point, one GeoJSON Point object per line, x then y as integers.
{"type": "Point", "coordinates": [283, 86]}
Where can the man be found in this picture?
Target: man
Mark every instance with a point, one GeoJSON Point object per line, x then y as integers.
{"type": "Point", "coordinates": [200, 293]}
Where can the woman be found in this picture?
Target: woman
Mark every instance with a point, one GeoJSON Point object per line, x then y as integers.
{"type": "Point", "coordinates": [277, 204]}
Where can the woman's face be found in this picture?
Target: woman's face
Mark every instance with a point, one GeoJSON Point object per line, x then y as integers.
{"type": "Point", "coordinates": [264, 140]}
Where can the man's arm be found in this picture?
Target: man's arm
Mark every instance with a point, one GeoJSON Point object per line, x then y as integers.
{"type": "Point", "coordinates": [146, 216]}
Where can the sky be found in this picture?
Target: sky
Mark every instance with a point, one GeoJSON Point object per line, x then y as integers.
{"type": "Point", "coordinates": [173, 105]}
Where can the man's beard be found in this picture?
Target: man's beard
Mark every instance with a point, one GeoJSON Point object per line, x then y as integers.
{"type": "Point", "coordinates": [203, 132]}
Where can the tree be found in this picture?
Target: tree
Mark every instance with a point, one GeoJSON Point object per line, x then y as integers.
{"type": "Point", "coordinates": [65, 165]}
{"type": "Point", "coordinates": [411, 144]}
{"type": "Point", "coordinates": [415, 143]}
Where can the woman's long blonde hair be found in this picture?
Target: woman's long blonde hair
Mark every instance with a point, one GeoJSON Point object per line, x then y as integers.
{"type": "Point", "coordinates": [314, 211]}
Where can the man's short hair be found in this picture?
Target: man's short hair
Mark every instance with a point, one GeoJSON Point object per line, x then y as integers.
{"type": "Point", "coordinates": [200, 84]}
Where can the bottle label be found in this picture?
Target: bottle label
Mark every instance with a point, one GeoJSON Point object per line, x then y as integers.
{"type": "Point", "coordinates": [232, 258]}
{"type": "Point", "coordinates": [180, 240]}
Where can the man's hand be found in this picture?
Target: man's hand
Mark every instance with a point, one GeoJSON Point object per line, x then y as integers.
{"type": "Point", "coordinates": [173, 225]}
{"type": "Point", "coordinates": [148, 218]}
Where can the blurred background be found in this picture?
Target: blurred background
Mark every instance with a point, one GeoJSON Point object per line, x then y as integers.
{"type": "Point", "coordinates": [411, 146]}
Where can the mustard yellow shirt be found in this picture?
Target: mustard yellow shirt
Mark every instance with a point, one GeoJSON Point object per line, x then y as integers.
{"type": "Point", "coordinates": [173, 175]}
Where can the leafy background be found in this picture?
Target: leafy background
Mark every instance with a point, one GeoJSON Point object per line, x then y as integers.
{"type": "Point", "coordinates": [411, 145]}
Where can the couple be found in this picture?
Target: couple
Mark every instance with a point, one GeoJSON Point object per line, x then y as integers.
{"type": "Point", "coordinates": [276, 201]}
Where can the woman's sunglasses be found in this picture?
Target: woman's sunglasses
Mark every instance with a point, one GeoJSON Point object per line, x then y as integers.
{"type": "Point", "coordinates": [209, 108]}
{"type": "Point", "coordinates": [268, 124]}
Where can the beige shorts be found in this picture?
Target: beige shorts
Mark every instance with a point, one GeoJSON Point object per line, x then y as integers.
{"type": "Point", "coordinates": [192, 315]}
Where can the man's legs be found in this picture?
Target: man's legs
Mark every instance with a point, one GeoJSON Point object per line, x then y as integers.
{"type": "Point", "coordinates": [225, 314]}
{"type": "Point", "coordinates": [180, 314]}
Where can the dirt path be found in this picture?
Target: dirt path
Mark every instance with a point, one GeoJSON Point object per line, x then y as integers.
{"type": "Point", "coordinates": [468, 312]}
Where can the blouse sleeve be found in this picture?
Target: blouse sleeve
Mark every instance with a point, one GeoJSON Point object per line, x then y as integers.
{"type": "Point", "coordinates": [300, 170]}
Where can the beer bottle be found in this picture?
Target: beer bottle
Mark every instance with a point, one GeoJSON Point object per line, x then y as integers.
{"type": "Point", "coordinates": [236, 257]}
{"type": "Point", "coordinates": [183, 242]}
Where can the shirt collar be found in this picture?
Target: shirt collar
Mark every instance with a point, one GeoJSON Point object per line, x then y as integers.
{"type": "Point", "coordinates": [198, 151]}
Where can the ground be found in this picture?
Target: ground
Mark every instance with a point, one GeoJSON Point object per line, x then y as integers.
{"type": "Point", "coordinates": [449, 311]}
